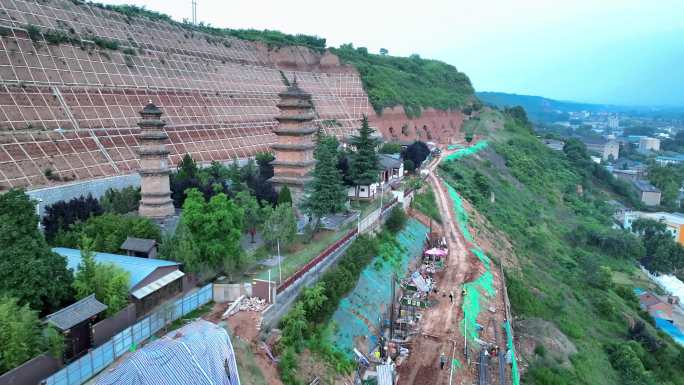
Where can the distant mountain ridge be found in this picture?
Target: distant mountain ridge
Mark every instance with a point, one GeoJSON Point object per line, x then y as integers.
{"type": "Point", "coordinates": [545, 110]}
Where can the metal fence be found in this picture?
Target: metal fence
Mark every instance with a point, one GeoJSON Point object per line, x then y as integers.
{"type": "Point", "coordinates": [97, 359]}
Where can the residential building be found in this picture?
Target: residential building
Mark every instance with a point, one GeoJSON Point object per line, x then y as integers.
{"type": "Point", "coordinates": [658, 306]}
{"type": "Point", "coordinates": [673, 221]}
{"type": "Point", "coordinates": [391, 173]}
{"type": "Point", "coordinates": [647, 144]}
{"type": "Point", "coordinates": [152, 281]}
{"type": "Point", "coordinates": [628, 175]}
{"type": "Point", "coordinates": [606, 149]}
{"type": "Point", "coordinates": [648, 193]}
{"type": "Point", "coordinates": [613, 122]}
{"type": "Point", "coordinates": [665, 160]}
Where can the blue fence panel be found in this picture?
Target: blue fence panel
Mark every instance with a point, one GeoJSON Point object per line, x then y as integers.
{"type": "Point", "coordinates": [86, 367]}
{"type": "Point", "coordinates": [103, 356]}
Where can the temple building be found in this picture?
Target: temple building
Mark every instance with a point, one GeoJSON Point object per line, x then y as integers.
{"type": "Point", "coordinates": [294, 149]}
{"type": "Point", "coordinates": [154, 171]}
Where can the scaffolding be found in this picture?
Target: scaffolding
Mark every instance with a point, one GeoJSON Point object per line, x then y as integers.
{"type": "Point", "coordinates": [72, 107]}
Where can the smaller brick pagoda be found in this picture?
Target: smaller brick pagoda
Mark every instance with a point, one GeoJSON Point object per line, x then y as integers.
{"type": "Point", "coordinates": [154, 171]}
{"type": "Point", "coordinates": [294, 150]}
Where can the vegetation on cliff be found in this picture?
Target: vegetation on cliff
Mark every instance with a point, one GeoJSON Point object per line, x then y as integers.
{"type": "Point", "coordinates": [570, 260]}
{"type": "Point", "coordinates": [412, 82]}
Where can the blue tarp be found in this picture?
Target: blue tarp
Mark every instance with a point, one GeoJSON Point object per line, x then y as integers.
{"type": "Point", "coordinates": [670, 329]}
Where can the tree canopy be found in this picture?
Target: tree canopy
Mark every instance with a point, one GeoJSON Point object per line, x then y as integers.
{"type": "Point", "coordinates": [281, 225]}
{"type": "Point", "coordinates": [326, 193]}
{"type": "Point", "coordinates": [20, 335]}
{"type": "Point", "coordinates": [417, 152]}
{"type": "Point", "coordinates": [216, 227]}
{"type": "Point", "coordinates": [364, 164]}
{"type": "Point", "coordinates": [109, 231]}
{"type": "Point", "coordinates": [29, 270]}
{"type": "Point", "coordinates": [108, 282]}
{"type": "Point", "coordinates": [60, 215]}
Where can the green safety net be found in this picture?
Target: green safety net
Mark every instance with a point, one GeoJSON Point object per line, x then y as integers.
{"type": "Point", "coordinates": [484, 284]}
{"type": "Point", "coordinates": [454, 146]}
{"type": "Point", "coordinates": [361, 311]}
{"type": "Point", "coordinates": [511, 347]}
{"type": "Point", "coordinates": [467, 150]}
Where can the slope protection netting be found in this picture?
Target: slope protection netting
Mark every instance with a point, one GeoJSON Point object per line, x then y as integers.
{"type": "Point", "coordinates": [477, 291]}
{"type": "Point", "coordinates": [73, 109]}
{"type": "Point", "coordinates": [367, 302]}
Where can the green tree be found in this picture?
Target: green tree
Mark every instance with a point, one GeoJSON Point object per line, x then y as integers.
{"type": "Point", "coordinates": [285, 196]}
{"type": "Point", "coordinates": [409, 166]}
{"type": "Point", "coordinates": [109, 231]}
{"type": "Point", "coordinates": [20, 334]}
{"type": "Point", "coordinates": [326, 193]}
{"type": "Point", "coordinates": [121, 201]}
{"type": "Point", "coordinates": [29, 270]}
{"type": "Point", "coordinates": [313, 298]}
{"type": "Point", "coordinates": [280, 226]}
{"type": "Point", "coordinates": [181, 247]}
{"type": "Point", "coordinates": [294, 327]}
{"type": "Point", "coordinates": [364, 166]}
{"type": "Point", "coordinates": [396, 220]}
{"type": "Point", "coordinates": [390, 148]}
{"type": "Point", "coordinates": [383, 51]}
{"type": "Point", "coordinates": [108, 282]}
{"type": "Point", "coordinates": [216, 227]}
{"type": "Point", "coordinates": [668, 179]}
{"type": "Point", "coordinates": [252, 212]}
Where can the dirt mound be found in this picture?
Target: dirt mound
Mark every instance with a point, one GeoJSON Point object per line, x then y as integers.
{"type": "Point", "coordinates": [535, 332]}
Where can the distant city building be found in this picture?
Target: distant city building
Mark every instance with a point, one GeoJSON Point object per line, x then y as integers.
{"type": "Point", "coordinates": [648, 193]}
{"type": "Point", "coordinates": [628, 175]}
{"type": "Point", "coordinates": [647, 144]}
{"type": "Point", "coordinates": [665, 160]}
{"type": "Point", "coordinates": [613, 122]}
{"type": "Point", "coordinates": [605, 148]}
{"type": "Point", "coordinates": [673, 221]}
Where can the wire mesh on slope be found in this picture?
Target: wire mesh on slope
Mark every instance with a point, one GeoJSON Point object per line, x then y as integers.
{"type": "Point", "coordinates": [363, 308]}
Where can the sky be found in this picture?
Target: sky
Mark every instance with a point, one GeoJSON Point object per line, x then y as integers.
{"type": "Point", "coordinates": [627, 52]}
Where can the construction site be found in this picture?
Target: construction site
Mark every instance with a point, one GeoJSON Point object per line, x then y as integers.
{"type": "Point", "coordinates": [73, 79]}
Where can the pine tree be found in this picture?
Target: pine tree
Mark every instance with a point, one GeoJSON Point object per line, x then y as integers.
{"type": "Point", "coordinates": [29, 270]}
{"type": "Point", "coordinates": [326, 194]}
{"type": "Point", "coordinates": [364, 166]}
{"type": "Point", "coordinates": [285, 196]}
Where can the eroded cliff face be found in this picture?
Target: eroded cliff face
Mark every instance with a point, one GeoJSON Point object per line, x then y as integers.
{"type": "Point", "coordinates": [431, 126]}
{"type": "Point", "coordinates": [69, 107]}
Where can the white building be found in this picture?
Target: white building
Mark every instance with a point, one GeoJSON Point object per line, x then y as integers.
{"type": "Point", "coordinates": [647, 144]}
{"type": "Point", "coordinates": [613, 122]}
{"type": "Point", "coordinates": [392, 171]}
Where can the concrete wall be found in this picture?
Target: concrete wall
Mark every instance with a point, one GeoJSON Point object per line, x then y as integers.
{"type": "Point", "coordinates": [31, 372]}
{"type": "Point", "coordinates": [97, 188]}
{"type": "Point", "coordinates": [104, 330]}
{"type": "Point", "coordinates": [284, 300]}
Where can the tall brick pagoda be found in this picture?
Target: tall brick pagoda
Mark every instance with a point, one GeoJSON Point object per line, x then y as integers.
{"type": "Point", "coordinates": [154, 171]}
{"type": "Point", "coordinates": [294, 150]}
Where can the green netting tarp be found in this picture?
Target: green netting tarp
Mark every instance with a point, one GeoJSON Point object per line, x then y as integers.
{"type": "Point", "coordinates": [511, 347]}
{"type": "Point", "coordinates": [467, 151]}
{"type": "Point", "coordinates": [364, 306]}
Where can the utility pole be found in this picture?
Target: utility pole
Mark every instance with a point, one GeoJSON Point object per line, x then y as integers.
{"type": "Point", "coordinates": [194, 12]}
{"type": "Point", "coordinates": [280, 271]}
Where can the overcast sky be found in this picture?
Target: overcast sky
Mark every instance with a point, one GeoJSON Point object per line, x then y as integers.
{"type": "Point", "coordinates": [605, 51]}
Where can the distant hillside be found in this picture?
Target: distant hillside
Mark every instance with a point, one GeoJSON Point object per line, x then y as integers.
{"type": "Point", "coordinates": [544, 110]}
{"type": "Point", "coordinates": [538, 108]}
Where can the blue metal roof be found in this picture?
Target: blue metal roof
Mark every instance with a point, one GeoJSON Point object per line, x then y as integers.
{"type": "Point", "coordinates": [139, 268]}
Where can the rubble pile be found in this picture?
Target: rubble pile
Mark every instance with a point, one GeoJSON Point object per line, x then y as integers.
{"type": "Point", "coordinates": [252, 304]}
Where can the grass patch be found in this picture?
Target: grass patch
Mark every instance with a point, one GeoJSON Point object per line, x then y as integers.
{"type": "Point", "coordinates": [193, 315]}
{"type": "Point", "coordinates": [250, 373]}
{"type": "Point", "coordinates": [426, 203]}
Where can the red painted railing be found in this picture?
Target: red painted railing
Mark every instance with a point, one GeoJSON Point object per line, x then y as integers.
{"type": "Point", "coordinates": [328, 250]}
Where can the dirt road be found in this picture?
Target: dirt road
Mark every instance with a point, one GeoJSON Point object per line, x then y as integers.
{"type": "Point", "coordinates": [440, 325]}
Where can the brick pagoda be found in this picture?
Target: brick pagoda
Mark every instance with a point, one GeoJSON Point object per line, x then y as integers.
{"type": "Point", "coordinates": [294, 150]}
{"type": "Point", "coordinates": [156, 200]}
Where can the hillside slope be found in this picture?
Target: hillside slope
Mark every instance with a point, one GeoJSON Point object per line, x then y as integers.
{"type": "Point", "coordinates": [577, 325]}
{"type": "Point", "coordinates": [73, 77]}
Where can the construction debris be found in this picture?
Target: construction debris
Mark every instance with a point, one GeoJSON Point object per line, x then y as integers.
{"type": "Point", "coordinates": [252, 304]}
{"type": "Point", "coordinates": [245, 304]}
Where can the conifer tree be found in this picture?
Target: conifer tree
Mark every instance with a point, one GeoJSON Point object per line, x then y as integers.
{"type": "Point", "coordinates": [364, 166]}
{"type": "Point", "coordinates": [326, 194]}
{"type": "Point", "coordinates": [285, 196]}
{"type": "Point", "coordinates": [29, 270]}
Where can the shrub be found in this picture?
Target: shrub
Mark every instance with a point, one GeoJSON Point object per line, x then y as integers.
{"type": "Point", "coordinates": [33, 32]}
{"type": "Point", "coordinates": [59, 216]}
{"type": "Point", "coordinates": [396, 220]}
{"type": "Point", "coordinates": [108, 232]}
{"type": "Point", "coordinates": [121, 201]}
